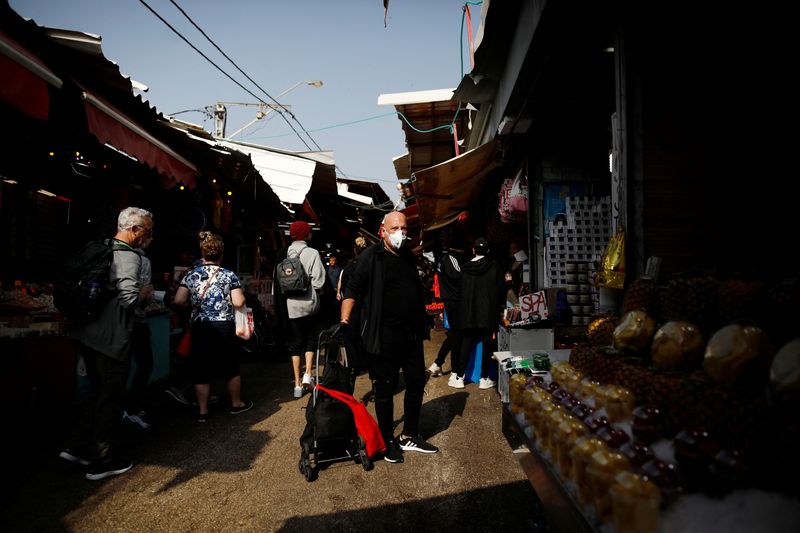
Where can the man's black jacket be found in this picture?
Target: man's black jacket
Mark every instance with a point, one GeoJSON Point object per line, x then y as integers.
{"type": "Point", "coordinates": [366, 285]}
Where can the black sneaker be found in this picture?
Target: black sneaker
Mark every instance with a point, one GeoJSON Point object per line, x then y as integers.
{"type": "Point", "coordinates": [113, 467]}
{"type": "Point", "coordinates": [392, 454]}
{"type": "Point", "coordinates": [417, 444]}
{"type": "Point", "coordinates": [246, 406]}
{"type": "Point", "coordinates": [75, 456]}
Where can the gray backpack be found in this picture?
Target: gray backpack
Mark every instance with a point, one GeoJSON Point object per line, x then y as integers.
{"type": "Point", "coordinates": [292, 277]}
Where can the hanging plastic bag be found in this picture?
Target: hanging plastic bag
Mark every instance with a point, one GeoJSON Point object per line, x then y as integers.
{"type": "Point", "coordinates": [612, 268]}
{"type": "Point", "coordinates": [513, 199]}
{"type": "Point", "coordinates": [244, 322]}
{"type": "Point", "coordinates": [518, 198]}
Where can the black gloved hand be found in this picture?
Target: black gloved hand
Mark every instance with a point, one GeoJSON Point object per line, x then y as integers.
{"type": "Point", "coordinates": [338, 330]}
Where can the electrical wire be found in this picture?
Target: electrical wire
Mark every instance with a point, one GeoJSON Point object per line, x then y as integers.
{"type": "Point", "coordinates": [248, 91]}
{"type": "Point", "coordinates": [179, 8]}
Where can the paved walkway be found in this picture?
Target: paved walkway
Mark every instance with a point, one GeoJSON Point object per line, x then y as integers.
{"type": "Point", "coordinates": [240, 473]}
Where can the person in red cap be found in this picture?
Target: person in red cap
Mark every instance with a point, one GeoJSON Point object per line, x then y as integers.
{"type": "Point", "coordinates": [303, 309]}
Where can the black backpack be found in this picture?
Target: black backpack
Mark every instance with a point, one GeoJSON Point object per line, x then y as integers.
{"type": "Point", "coordinates": [82, 289]}
{"type": "Point", "coordinates": [292, 277]}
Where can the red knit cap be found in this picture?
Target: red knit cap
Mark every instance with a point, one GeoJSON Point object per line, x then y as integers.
{"type": "Point", "coordinates": [299, 230]}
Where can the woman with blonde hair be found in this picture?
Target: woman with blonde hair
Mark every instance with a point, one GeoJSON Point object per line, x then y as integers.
{"type": "Point", "coordinates": [213, 292]}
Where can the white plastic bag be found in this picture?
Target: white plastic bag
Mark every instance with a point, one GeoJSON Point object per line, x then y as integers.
{"type": "Point", "coordinates": [244, 322]}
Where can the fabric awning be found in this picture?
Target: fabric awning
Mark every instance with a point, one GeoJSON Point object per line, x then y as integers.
{"type": "Point", "coordinates": [112, 126]}
{"type": "Point", "coordinates": [24, 79]}
{"type": "Point", "coordinates": [446, 190]}
{"type": "Point", "coordinates": [289, 176]}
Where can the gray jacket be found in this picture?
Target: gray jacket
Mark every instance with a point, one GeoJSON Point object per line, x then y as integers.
{"type": "Point", "coordinates": [308, 303]}
{"type": "Point", "coordinates": [111, 332]}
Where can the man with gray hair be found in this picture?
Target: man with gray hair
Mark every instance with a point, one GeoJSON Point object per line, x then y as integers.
{"type": "Point", "coordinates": [105, 346]}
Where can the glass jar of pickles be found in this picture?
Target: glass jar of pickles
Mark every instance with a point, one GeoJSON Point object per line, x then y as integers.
{"type": "Point", "coordinates": [635, 503]}
{"type": "Point", "coordinates": [603, 467]}
{"type": "Point", "coordinates": [580, 453]}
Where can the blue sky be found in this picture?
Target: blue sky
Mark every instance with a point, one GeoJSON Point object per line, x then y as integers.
{"type": "Point", "coordinates": [279, 43]}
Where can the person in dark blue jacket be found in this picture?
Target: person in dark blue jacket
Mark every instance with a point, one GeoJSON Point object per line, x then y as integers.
{"type": "Point", "coordinates": [392, 325]}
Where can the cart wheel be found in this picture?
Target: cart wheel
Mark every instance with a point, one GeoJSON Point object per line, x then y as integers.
{"type": "Point", "coordinates": [366, 462]}
{"type": "Point", "coordinates": [305, 464]}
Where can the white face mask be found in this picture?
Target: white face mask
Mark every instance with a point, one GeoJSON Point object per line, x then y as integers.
{"type": "Point", "coordinates": [397, 239]}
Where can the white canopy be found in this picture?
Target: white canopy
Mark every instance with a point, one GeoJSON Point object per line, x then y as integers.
{"type": "Point", "coordinates": [289, 176]}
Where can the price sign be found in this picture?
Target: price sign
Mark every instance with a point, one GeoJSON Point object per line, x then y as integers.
{"type": "Point", "coordinates": [534, 306]}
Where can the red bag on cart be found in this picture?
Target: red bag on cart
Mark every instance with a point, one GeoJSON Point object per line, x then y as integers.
{"type": "Point", "coordinates": [365, 425]}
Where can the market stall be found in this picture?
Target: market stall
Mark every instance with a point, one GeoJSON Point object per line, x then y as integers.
{"type": "Point", "coordinates": [675, 416]}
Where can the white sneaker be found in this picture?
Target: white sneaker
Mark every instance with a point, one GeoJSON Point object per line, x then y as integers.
{"type": "Point", "coordinates": [486, 383]}
{"type": "Point", "coordinates": [298, 392]}
{"type": "Point", "coordinates": [435, 370]}
{"type": "Point", "coordinates": [456, 381]}
{"type": "Point", "coordinates": [308, 380]}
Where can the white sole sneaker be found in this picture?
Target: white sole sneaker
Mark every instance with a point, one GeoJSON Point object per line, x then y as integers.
{"type": "Point", "coordinates": [456, 383]}
{"type": "Point", "coordinates": [298, 392]}
{"type": "Point", "coordinates": [486, 383]}
{"type": "Point", "coordinates": [435, 370]}
{"type": "Point", "coordinates": [308, 381]}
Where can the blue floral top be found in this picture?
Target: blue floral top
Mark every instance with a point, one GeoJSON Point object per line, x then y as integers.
{"type": "Point", "coordinates": [216, 305]}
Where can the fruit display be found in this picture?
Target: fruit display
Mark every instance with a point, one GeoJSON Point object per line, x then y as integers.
{"type": "Point", "coordinates": [676, 399]}
{"type": "Point", "coordinates": [676, 343]}
{"type": "Point", "coordinates": [600, 331]}
{"type": "Point", "coordinates": [643, 294]}
{"type": "Point", "coordinates": [634, 332]}
{"type": "Point", "coordinates": [784, 373]}
{"type": "Point", "coordinates": [732, 350]}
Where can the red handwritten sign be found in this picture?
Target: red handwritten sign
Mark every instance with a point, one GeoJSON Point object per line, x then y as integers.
{"type": "Point", "coordinates": [534, 306]}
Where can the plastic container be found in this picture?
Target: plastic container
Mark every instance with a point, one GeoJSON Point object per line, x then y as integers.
{"type": "Point", "coordinates": [580, 453]}
{"type": "Point", "coordinates": [516, 384]}
{"type": "Point", "coordinates": [565, 436]}
{"type": "Point", "coordinates": [635, 502]}
{"type": "Point", "coordinates": [619, 403]}
{"type": "Point", "coordinates": [604, 465]}
{"type": "Point", "coordinates": [539, 416]}
{"type": "Point", "coordinates": [531, 398]}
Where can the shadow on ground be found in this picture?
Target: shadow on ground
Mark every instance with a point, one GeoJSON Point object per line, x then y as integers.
{"type": "Point", "coordinates": [448, 513]}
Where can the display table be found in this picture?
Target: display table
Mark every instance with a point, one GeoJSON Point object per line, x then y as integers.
{"type": "Point", "coordinates": [159, 323]}
{"type": "Point", "coordinates": [515, 339]}
{"type": "Point", "coordinates": [562, 511]}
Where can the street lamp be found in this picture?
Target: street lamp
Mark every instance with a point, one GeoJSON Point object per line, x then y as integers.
{"type": "Point", "coordinates": [263, 109]}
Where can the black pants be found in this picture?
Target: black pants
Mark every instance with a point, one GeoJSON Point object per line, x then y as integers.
{"type": "Point", "coordinates": [469, 338]}
{"type": "Point", "coordinates": [142, 353]}
{"type": "Point", "coordinates": [452, 343]}
{"type": "Point", "coordinates": [384, 371]}
{"type": "Point", "coordinates": [101, 407]}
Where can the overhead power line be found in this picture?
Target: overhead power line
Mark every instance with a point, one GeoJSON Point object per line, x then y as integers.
{"type": "Point", "coordinates": [248, 91]}
{"type": "Point", "coordinates": [232, 62]}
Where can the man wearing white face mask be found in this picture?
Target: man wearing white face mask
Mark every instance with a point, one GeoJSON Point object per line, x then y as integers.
{"type": "Point", "coordinates": [392, 326]}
